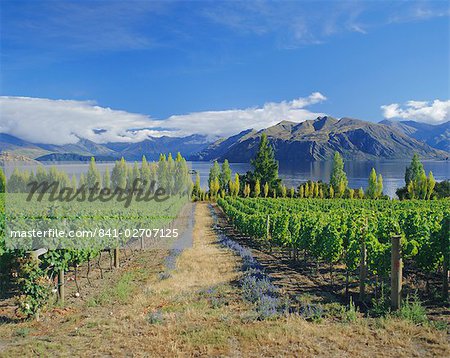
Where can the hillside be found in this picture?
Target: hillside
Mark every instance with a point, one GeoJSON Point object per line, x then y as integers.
{"type": "Point", "coordinates": [153, 146]}
{"type": "Point", "coordinates": [311, 140]}
{"type": "Point", "coordinates": [318, 140]}
{"type": "Point", "coordinates": [84, 148]}
{"type": "Point", "coordinates": [436, 136]}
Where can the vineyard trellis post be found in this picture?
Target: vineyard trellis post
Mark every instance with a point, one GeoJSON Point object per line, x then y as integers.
{"type": "Point", "coordinates": [116, 257]}
{"type": "Point", "coordinates": [446, 260]}
{"type": "Point", "coordinates": [396, 273]}
{"type": "Point", "coordinates": [61, 286]}
{"type": "Point", "coordinates": [363, 264]}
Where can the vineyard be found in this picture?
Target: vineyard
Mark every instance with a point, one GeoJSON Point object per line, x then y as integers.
{"type": "Point", "coordinates": [355, 234]}
{"type": "Point", "coordinates": [45, 234]}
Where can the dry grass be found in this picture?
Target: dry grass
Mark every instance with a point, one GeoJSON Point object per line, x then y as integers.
{"type": "Point", "coordinates": [191, 326]}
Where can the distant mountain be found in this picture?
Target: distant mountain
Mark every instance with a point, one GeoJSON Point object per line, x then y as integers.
{"type": "Point", "coordinates": [311, 140]}
{"type": "Point", "coordinates": [11, 144]}
{"type": "Point", "coordinates": [82, 147]}
{"type": "Point", "coordinates": [17, 146]}
{"type": "Point", "coordinates": [318, 140]}
{"type": "Point", "coordinates": [436, 136]}
{"type": "Point", "coordinates": [73, 157]}
{"type": "Point", "coordinates": [151, 148]}
{"type": "Point", "coordinates": [220, 147]}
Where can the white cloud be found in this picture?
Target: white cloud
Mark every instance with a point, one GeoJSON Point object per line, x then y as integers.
{"type": "Point", "coordinates": [229, 122]}
{"type": "Point", "coordinates": [42, 120]}
{"type": "Point", "coordinates": [433, 112]}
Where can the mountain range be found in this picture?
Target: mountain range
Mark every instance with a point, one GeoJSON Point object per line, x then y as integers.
{"type": "Point", "coordinates": [311, 140]}
{"type": "Point", "coordinates": [318, 139]}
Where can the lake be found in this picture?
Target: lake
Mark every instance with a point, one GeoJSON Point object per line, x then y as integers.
{"type": "Point", "coordinates": [393, 172]}
{"type": "Point", "coordinates": [357, 172]}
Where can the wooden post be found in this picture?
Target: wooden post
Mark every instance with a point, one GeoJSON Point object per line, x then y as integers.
{"type": "Point", "coordinates": [396, 273]}
{"type": "Point", "coordinates": [445, 275]}
{"type": "Point", "coordinates": [268, 233]}
{"type": "Point", "coordinates": [446, 250]}
{"type": "Point", "coordinates": [61, 286]}
{"type": "Point", "coordinates": [363, 271]}
{"type": "Point", "coordinates": [142, 242]}
{"type": "Point", "coordinates": [116, 257]}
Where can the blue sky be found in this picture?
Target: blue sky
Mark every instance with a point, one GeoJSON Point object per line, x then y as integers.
{"type": "Point", "coordinates": [209, 61]}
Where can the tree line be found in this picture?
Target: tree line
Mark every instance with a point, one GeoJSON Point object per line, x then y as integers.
{"type": "Point", "coordinates": [264, 181]}
{"type": "Point", "coordinates": [168, 173]}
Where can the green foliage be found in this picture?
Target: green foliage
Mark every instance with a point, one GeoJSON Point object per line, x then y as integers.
{"type": "Point", "coordinates": [225, 176]}
{"type": "Point", "coordinates": [214, 173]}
{"type": "Point", "coordinates": [34, 286]}
{"type": "Point", "coordinates": [412, 310]}
{"type": "Point", "coordinates": [414, 171]}
{"type": "Point", "coordinates": [106, 179]}
{"type": "Point", "coordinates": [257, 188]}
{"type": "Point", "coordinates": [264, 164]}
{"type": "Point", "coordinates": [375, 187]}
{"type": "Point", "coordinates": [2, 181]}
{"type": "Point", "coordinates": [93, 175]}
{"type": "Point", "coordinates": [266, 189]}
{"type": "Point", "coordinates": [431, 183]}
{"type": "Point", "coordinates": [118, 175]}
{"type": "Point", "coordinates": [338, 178]}
{"type": "Point", "coordinates": [333, 231]}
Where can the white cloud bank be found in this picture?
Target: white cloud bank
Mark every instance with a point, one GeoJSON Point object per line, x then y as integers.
{"type": "Point", "coordinates": [41, 120]}
{"type": "Point", "coordinates": [434, 112]}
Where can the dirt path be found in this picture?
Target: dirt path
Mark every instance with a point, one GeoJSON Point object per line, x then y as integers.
{"type": "Point", "coordinates": [197, 310]}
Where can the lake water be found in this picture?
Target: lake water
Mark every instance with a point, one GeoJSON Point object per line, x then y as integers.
{"type": "Point", "coordinates": [393, 172]}
{"type": "Point", "coordinates": [357, 172]}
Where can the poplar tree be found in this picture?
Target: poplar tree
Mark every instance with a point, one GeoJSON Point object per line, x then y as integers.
{"type": "Point", "coordinates": [214, 173]}
{"type": "Point", "coordinates": [372, 187]}
{"type": "Point", "coordinates": [257, 188]}
{"type": "Point", "coordinates": [266, 190]}
{"type": "Point", "coordinates": [197, 188]}
{"type": "Point", "coordinates": [338, 178]}
{"type": "Point", "coordinates": [414, 171]}
{"type": "Point", "coordinates": [2, 181]}
{"type": "Point", "coordinates": [93, 175]}
{"type": "Point", "coordinates": [360, 193]}
{"type": "Point", "coordinates": [379, 186]}
{"type": "Point", "coordinates": [237, 184]}
{"type": "Point", "coordinates": [301, 192]}
{"type": "Point", "coordinates": [119, 175]}
{"type": "Point", "coordinates": [82, 180]}
{"type": "Point", "coordinates": [145, 172]}
{"type": "Point", "coordinates": [74, 182]}
{"type": "Point", "coordinates": [422, 186]}
{"type": "Point", "coordinates": [264, 164]}
{"type": "Point", "coordinates": [351, 193]}
{"type": "Point", "coordinates": [283, 191]}
{"type": "Point", "coordinates": [246, 190]}
{"type": "Point", "coordinates": [225, 175]}
{"type": "Point", "coordinates": [106, 179]}
{"type": "Point", "coordinates": [431, 184]}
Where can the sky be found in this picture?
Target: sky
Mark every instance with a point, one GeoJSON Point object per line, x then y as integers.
{"type": "Point", "coordinates": [124, 70]}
